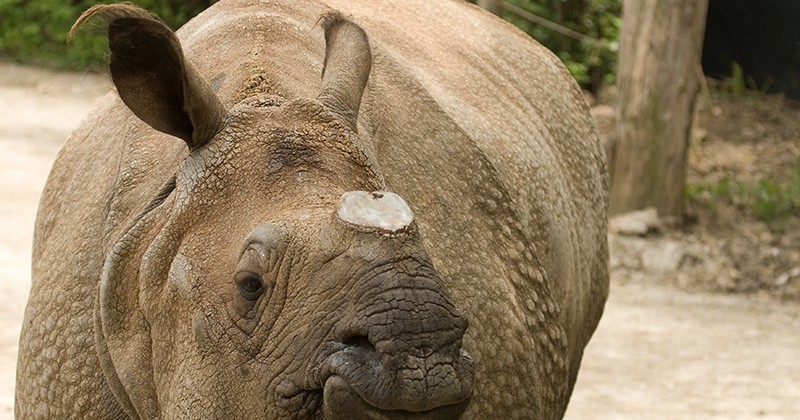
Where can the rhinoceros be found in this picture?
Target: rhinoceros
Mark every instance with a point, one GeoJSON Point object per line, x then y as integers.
{"type": "Point", "coordinates": [319, 209]}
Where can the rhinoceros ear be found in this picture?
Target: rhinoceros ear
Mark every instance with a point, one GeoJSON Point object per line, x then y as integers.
{"type": "Point", "coordinates": [154, 79]}
{"type": "Point", "coordinates": [348, 60]}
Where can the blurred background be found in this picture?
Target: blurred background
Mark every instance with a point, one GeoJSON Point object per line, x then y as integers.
{"type": "Point", "coordinates": [754, 40]}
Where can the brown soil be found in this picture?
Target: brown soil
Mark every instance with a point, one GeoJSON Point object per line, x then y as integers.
{"type": "Point", "coordinates": [748, 138]}
{"type": "Point", "coordinates": [704, 315]}
{"type": "Point", "coordinates": [703, 319]}
{"type": "Point", "coordinates": [723, 245]}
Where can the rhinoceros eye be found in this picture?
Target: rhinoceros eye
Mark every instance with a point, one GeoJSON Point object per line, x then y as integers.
{"type": "Point", "coordinates": [251, 285]}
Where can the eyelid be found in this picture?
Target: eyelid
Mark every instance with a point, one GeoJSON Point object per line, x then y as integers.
{"type": "Point", "coordinates": [252, 296]}
{"type": "Point", "coordinates": [245, 274]}
{"type": "Point", "coordinates": [254, 246]}
{"type": "Point", "coordinates": [264, 255]}
{"type": "Point", "coordinates": [255, 257]}
{"type": "Point", "coordinates": [265, 237]}
{"type": "Point", "coordinates": [260, 260]}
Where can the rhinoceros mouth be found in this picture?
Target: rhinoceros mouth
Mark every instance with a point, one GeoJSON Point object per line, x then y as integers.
{"type": "Point", "coordinates": [341, 401]}
{"type": "Point", "coordinates": [353, 383]}
{"type": "Point", "coordinates": [338, 400]}
{"type": "Point", "coordinates": [295, 401]}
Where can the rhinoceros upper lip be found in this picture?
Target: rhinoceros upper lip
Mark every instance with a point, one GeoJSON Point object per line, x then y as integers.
{"type": "Point", "coordinates": [350, 364]}
{"type": "Point", "coordinates": [292, 394]}
{"type": "Point", "coordinates": [348, 403]}
{"type": "Point", "coordinates": [339, 368]}
{"type": "Point", "coordinates": [294, 398]}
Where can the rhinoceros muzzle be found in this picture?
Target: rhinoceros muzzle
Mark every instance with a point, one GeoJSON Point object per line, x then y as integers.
{"type": "Point", "coordinates": [362, 385]}
{"type": "Point", "coordinates": [399, 357]}
{"type": "Point", "coordinates": [395, 352]}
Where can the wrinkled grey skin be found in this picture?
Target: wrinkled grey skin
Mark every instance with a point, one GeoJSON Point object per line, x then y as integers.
{"type": "Point", "coordinates": [189, 261]}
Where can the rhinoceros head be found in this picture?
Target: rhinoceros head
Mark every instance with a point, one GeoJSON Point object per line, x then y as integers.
{"type": "Point", "coordinates": [270, 277]}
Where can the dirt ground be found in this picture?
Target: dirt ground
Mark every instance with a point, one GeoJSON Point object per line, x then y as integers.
{"type": "Point", "coordinates": [703, 319]}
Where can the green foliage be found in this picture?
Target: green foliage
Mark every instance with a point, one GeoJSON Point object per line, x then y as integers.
{"type": "Point", "coordinates": [739, 85]}
{"type": "Point", "coordinates": [769, 200]}
{"type": "Point", "coordinates": [592, 63]}
{"type": "Point", "coordinates": [35, 31]}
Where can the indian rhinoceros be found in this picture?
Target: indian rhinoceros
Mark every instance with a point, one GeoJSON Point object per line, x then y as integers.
{"type": "Point", "coordinates": [418, 233]}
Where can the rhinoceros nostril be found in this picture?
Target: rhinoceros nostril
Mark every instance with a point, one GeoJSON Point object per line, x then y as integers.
{"type": "Point", "coordinates": [360, 341]}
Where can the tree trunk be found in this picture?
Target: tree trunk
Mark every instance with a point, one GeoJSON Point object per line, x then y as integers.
{"type": "Point", "coordinates": [493, 6]}
{"type": "Point", "coordinates": [660, 48]}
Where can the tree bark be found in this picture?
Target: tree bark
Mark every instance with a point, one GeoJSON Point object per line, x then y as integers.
{"type": "Point", "coordinates": [490, 5]}
{"type": "Point", "coordinates": [660, 47]}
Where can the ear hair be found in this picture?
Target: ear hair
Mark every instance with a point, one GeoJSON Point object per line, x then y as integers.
{"type": "Point", "coordinates": [109, 13]}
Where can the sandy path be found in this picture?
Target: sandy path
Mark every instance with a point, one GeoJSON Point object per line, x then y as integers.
{"type": "Point", "coordinates": [38, 110]}
{"type": "Point", "coordinates": [659, 353]}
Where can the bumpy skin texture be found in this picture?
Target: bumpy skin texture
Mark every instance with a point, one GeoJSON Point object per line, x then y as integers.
{"type": "Point", "coordinates": [133, 309]}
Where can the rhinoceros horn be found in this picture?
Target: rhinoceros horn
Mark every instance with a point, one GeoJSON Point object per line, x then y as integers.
{"type": "Point", "coordinates": [378, 211]}
{"type": "Point", "coordinates": [348, 61]}
{"type": "Point", "coordinates": [154, 79]}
